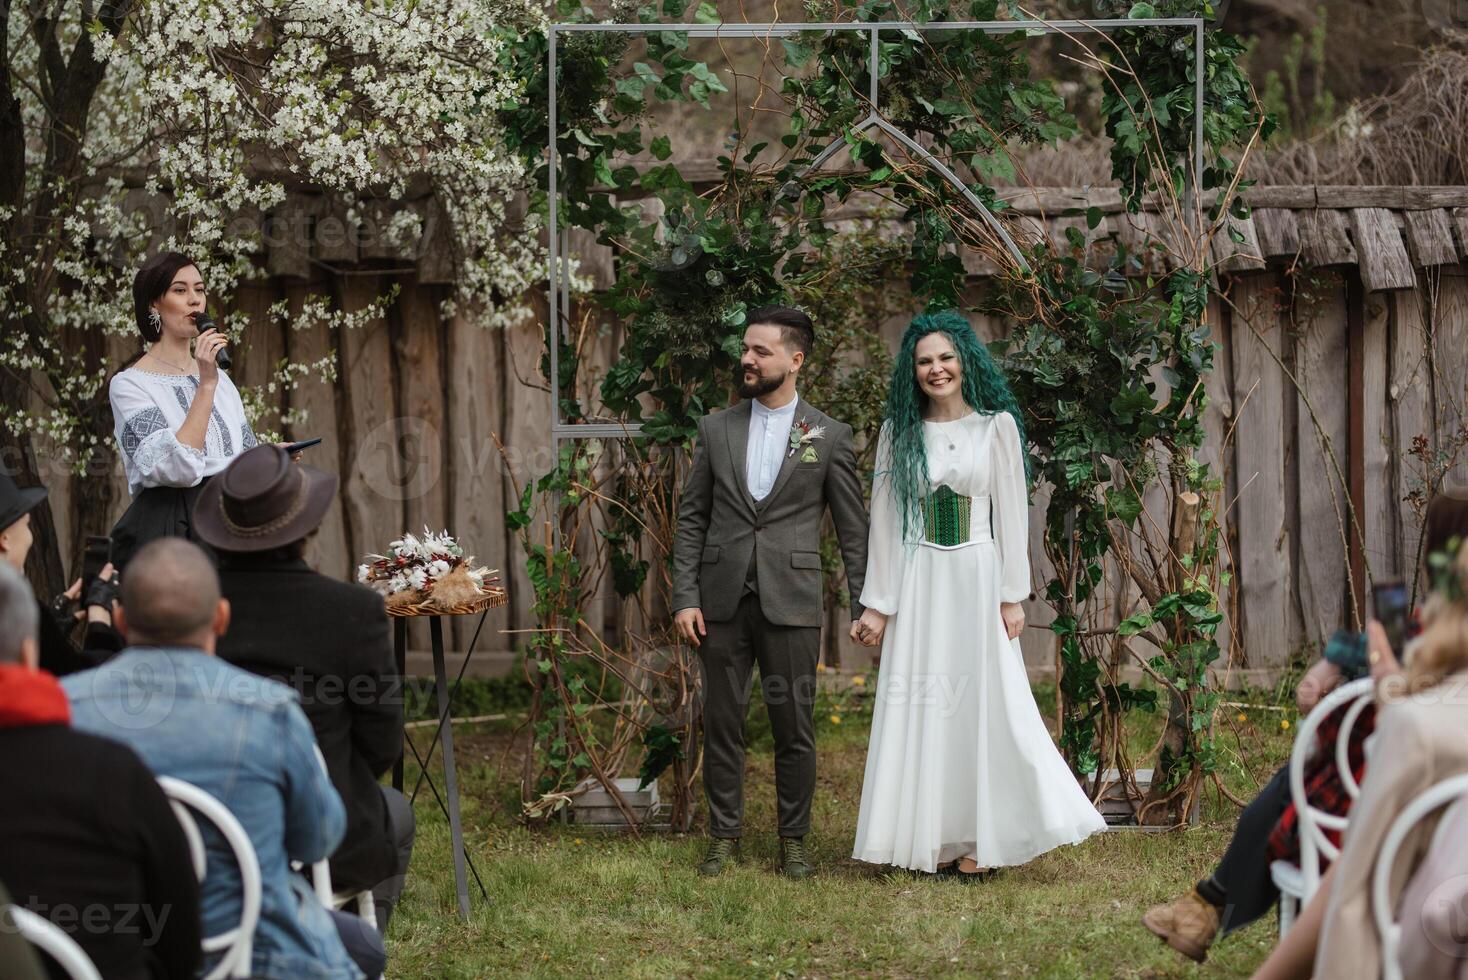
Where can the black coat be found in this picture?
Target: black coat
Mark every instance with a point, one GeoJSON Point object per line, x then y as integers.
{"type": "Point", "coordinates": [330, 641]}
{"type": "Point", "coordinates": [88, 840]}
{"type": "Point", "coordinates": [60, 656]}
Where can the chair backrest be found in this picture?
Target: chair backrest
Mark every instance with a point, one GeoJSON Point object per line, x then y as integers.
{"type": "Point", "coordinates": [1434, 798]}
{"type": "Point", "coordinates": [1313, 821]}
{"type": "Point", "coordinates": [49, 939]}
{"type": "Point", "coordinates": [236, 945]}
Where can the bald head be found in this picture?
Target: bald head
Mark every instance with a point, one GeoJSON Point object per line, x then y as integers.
{"type": "Point", "coordinates": [170, 597]}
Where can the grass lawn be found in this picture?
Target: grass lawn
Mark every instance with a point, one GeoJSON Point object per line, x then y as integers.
{"type": "Point", "coordinates": [568, 902]}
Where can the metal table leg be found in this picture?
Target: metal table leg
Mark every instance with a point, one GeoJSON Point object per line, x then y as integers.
{"type": "Point", "coordinates": [400, 651]}
{"type": "Point", "coordinates": [450, 776]}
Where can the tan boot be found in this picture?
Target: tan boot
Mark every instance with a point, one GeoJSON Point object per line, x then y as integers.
{"type": "Point", "coordinates": [1187, 924]}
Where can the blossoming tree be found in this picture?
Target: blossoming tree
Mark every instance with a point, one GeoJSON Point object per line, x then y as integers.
{"type": "Point", "coordinates": [211, 110]}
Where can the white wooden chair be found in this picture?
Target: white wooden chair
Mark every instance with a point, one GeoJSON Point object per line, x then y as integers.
{"type": "Point", "coordinates": [362, 902]}
{"type": "Point", "coordinates": [1382, 910]}
{"type": "Point", "coordinates": [236, 945]}
{"type": "Point", "coordinates": [1297, 883]}
{"type": "Point", "coordinates": [49, 939]}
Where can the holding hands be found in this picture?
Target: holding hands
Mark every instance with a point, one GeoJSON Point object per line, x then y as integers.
{"type": "Point", "coordinates": [869, 629]}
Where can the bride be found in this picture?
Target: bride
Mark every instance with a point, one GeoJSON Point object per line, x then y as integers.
{"type": "Point", "coordinates": [961, 773]}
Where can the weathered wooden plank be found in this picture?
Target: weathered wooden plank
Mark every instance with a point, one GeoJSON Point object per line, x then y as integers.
{"type": "Point", "coordinates": [1320, 368]}
{"type": "Point", "coordinates": [1279, 233]}
{"type": "Point", "coordinates": [1232, 255]}
{"type": "Point", "coordinates": [416, 335]}
{"type": "Point", "coordinates": [373, 481]}
{"type": "Point", "coordinates": [1410, 400]}
{"type": "Point", "coordinates": [1450, 366]}
{"type": "Point", "coordinates": [288, 237]}
{"type": "Point", "coordinates": [437, 262]}
{"type": "Point", "coordinates": [1051, 201]}
{"type": "Point", "coordinates": [1324, 240]}
{"type": "Point", "coordinates": [1362, 196]}
{"type": "Point", "coordinates": [1460, 230]}
{"type": "Point", "coordinates": [1217, 452]}
{"type": "Point", "coordinates": [1281, 196]}
{"type": "Point", "coordinates": [475, 475]}
{"type": "Point", "coordinates": [527, 441]}
{"type": "Point", "coordinates": [1264, 572]}
{"type": "Point", "coordinates": [1427, 197]}
{"type": "Point", "coordinates": [259, 347]}
{"type": "Point", "coordinates": [314, 401]}
{"type": "Point", "coordinates": [1381, 507]}
{"type": "Point", "coordinates": [1384, 262]}
{"type": "Point", "coordinates": [1430, 237]}
{"type": "Point", "coordinates": [337, 235]}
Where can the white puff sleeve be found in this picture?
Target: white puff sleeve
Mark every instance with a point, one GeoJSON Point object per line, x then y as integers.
{"type": "Point", "coordinates": [149, 443]}
{"type": "Point", "coordinates": [1010, 498]}
{"type": "Point", "coordinates": [886, 555]}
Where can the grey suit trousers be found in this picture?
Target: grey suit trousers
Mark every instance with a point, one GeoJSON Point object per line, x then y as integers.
{"type": "Point", "coordinates": [787, 658]}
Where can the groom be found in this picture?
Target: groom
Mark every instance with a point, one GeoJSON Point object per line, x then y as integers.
{"type": "Point", "coordinates": [747, 574]}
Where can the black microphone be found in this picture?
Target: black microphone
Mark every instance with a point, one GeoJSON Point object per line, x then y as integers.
{"type": "Point", "coordinates": [203, 322]}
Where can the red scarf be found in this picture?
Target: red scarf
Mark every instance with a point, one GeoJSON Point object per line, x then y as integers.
{"type": "Point", "coordinates": [31, 697]}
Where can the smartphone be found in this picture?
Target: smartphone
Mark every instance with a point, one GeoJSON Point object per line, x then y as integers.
{"type": "Point", "coordinates": [1389, 600]}
{"type": "Point", "coordinates": [98, 552]}
{"type": "Point", "coordinates": [296, 447]}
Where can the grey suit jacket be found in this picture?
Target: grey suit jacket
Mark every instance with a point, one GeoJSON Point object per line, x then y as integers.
{"type": "Point", "coordinates": [720, 526]}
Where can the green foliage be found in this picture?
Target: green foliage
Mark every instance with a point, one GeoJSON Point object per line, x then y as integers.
{"type": "Point", "coordinates": [1148, 104]}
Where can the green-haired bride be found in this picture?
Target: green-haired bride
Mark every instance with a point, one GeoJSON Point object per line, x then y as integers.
{"type": "Point", "coordinates": [961, 773]}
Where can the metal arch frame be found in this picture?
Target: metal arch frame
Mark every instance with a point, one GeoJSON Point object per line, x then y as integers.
{"type": "Point", "coordinates": [560, 246]}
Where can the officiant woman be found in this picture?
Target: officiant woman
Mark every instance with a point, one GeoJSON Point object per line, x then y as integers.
{"type": "Point", "coordinates": [177, 416]}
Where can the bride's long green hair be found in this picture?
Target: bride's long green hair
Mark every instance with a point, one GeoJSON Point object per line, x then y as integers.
{"type": "Point", "coordinates": [983, 387]}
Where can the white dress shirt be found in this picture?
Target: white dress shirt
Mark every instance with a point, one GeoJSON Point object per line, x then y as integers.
{"type": "Point", "coordinates": [769, 442]}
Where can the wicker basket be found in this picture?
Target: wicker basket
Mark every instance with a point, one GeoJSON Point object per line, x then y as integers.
{"type": "Point", "coordinates": [488, 599]}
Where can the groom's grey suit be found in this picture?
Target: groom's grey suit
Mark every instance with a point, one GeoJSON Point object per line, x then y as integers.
{"type": "Point", "coordinates": [754, 569]}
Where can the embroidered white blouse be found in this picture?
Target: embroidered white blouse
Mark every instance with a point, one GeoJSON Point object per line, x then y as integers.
{"type": "Point", "coordinates": [147, 411]}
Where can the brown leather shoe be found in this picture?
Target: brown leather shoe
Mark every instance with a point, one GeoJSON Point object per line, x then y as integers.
{"type": "Point", "coordinates": [1187, 924]}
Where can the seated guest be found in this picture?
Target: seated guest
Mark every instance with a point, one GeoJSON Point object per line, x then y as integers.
{"type": "Point", "coordinates": [1421, 739]}
{"type": "Point", "coordinates": [1433, 944]}
{"type": "Point", "coordinates": [59, 656]}
{"type": "Point", "coordinates": [327, 639]}
{"type": "Point", "coordinates": [87, 839]}
{"type": "Point", "coordinates": [1241, 890]}
{"type": "Point", "coordinates": [240, 738]}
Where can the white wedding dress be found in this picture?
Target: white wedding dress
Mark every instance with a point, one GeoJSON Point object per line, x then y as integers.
{"type": "Point", "coordinates": [959, 761]}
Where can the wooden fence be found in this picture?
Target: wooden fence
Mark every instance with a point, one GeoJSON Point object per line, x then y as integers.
{"type": "Point", "coordinates": [1343, 332]}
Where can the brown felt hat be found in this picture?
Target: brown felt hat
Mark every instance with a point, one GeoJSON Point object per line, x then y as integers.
{"type": "Point", "coordinates": [263, 501]}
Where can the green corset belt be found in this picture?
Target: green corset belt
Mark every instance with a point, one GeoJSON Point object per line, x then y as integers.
{"type": "Point", "coordinates": [946, 517]}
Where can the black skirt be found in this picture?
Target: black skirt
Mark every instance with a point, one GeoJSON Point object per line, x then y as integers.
{"type": "Point", "coordinates": [157, 512]}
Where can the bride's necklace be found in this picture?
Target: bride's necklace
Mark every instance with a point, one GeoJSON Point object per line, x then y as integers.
{"type": "Point", "coordinates": [159, 358]}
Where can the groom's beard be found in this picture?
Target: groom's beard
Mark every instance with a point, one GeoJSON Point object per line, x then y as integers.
{"type": "Point", "coordinates": [757, 385]}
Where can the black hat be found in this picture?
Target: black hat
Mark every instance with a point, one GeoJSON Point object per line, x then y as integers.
{"type": "Point", "coordinates": [16, 502]}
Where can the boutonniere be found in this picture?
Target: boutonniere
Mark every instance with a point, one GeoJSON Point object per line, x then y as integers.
{"type": "Point", "coordinates": [802, 440]}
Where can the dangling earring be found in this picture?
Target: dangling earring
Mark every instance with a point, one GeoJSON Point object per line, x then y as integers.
{"type": "Point", "coordinates": [155, 321]}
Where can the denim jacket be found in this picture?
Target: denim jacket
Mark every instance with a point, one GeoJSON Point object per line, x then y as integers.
{"type": "Point", "coordinates": [244, 740]}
